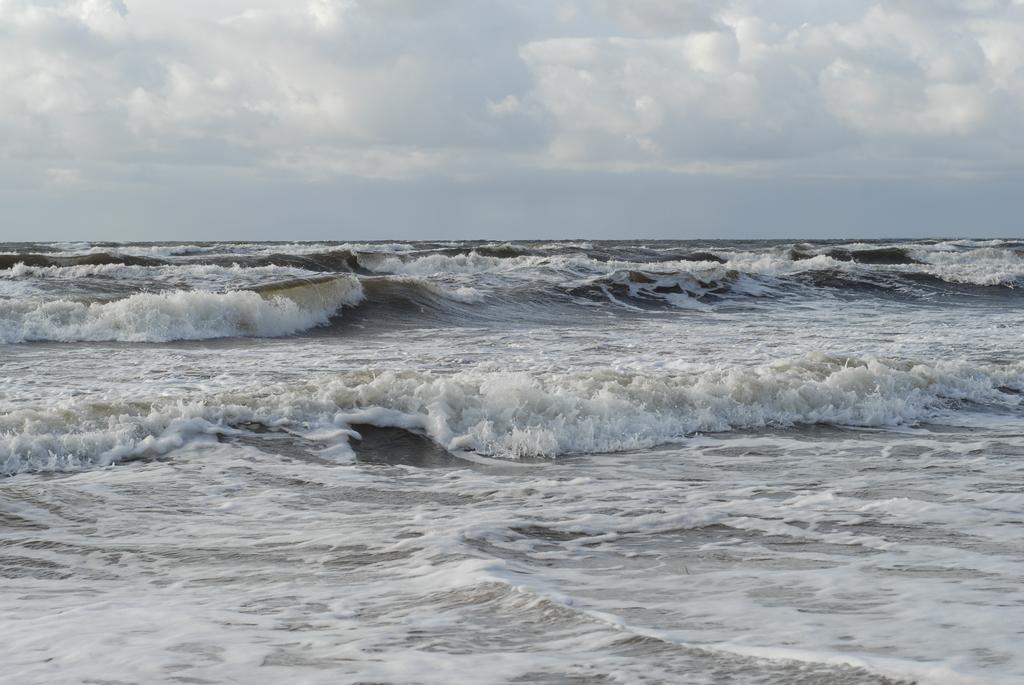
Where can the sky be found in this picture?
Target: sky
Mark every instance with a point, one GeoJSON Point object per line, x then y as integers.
{"type": "Point", "coordinates": [406, 119]}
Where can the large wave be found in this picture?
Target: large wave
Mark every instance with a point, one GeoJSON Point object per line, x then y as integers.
{"type": "Point", "coordinates": [166, 273]}
{"type": "Point", "coordinates": [890, 265]}
{"type": "Point", "coordinates": [519, 415]}
{"type": "Point", "coordinates": [911, 269]}
{"type": "Point", "coordinates": [269, 311]}
{"type": "Point", "coordinates": [8, 261]}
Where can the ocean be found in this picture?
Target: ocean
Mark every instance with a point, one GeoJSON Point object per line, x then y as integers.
{"type": "Point", "coordinates": [512, 462]}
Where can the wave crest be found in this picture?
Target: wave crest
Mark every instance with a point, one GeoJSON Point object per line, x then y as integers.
{"type": "Point", "coordinates": [9, 261]}
{"type": "Point", "coordinates": [519, 415]}
{"type": "Point", "coordinates": [276, 310]}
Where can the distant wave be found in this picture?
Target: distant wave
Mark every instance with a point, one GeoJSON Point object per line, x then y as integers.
{"type": "Point", "coordinates": [8, 261]}
{"type": "Point", "coordinates": [117, 292]}
{"type": "Point", "coordinates": [645, 289]}
{"type": "Point", "coordinates": [518, 415]}
{"type": "Point", "coordinates": [980, 267]}
{"type": "Point", "coordinates": [961, 263]}
{"type": "Point", "coordinates": [274, 310]}
{"type": "Point", "coordinates": [866, 255]}
{"type": "Point", "coordinates": [167, 272]}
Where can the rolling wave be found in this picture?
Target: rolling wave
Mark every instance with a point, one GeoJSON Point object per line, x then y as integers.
{"type": "Point", "coordinates": [980, 267]}
{"type": "Point", "coordinates": [8, 261]}
{"type": "Point", "coordinates": [518, 415]}
{"type": "Point", "coordinates": [272, 310]}
{"type": "Point", "coordinates": [984, 263]}
{"type": "Point", "coordinates": [166, 273]}
{"type": "Point", "coordinates": [165, 292]}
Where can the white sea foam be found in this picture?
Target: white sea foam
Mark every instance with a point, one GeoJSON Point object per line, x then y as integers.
{"type": "Point", "coordinates": [985, 266]}
{"type": "Point", "coordinates": [191, 274]}
{"type": "Point", "coordinates": [982, 266]}
{"type": "Point", "coordinates": [458, 293]}
{"type": "Point", "coordinates": [515, 415]}
{"type": "Point", "coordinates": [175, 251]}
{"type": "Point", "coordinates": [437, 263]}
{"type": "Point", "coordinates": [178, 315]}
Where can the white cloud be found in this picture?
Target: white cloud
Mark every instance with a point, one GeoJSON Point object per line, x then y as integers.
{"type": "Point", "coordinates": [393, 88]}
{"type": "Point", "coordinates": [941, 83]}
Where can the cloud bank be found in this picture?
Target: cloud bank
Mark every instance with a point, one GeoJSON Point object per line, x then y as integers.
{"type": "Point", "coordinates": [112, 107]}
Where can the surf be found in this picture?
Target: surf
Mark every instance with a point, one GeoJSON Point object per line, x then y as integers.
{"type": "Point", "coordinates": [268, 311]}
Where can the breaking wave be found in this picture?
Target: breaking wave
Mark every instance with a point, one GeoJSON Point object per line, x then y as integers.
{"type": "Point", "coordinates": [273, 310]}
{"type": "Point", "coordinates": [958, 265]}
{"type": "Point", "coordinates": [892, 266]}
{"type": "Point", "coordinates": [159, 293]}
{"type": "Point", "coordinates": [519, 415]}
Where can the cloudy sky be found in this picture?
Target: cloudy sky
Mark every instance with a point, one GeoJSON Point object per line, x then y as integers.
{"type": "Point", "coordinates": [285, 119]}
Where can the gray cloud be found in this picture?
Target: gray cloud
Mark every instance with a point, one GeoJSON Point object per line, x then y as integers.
{"type": "Point", "coordinates": [105, 99]}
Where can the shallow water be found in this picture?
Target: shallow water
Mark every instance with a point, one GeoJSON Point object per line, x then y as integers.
{"type": "Point", "coordinates": [555, 463]}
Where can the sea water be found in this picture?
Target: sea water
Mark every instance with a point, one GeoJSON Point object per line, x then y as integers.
{"type": "Point", "coordinates": [635, 462]}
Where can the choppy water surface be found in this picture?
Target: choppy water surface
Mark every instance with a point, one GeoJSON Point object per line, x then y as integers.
{"type": "Point", "coordinates": [520, 462]}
